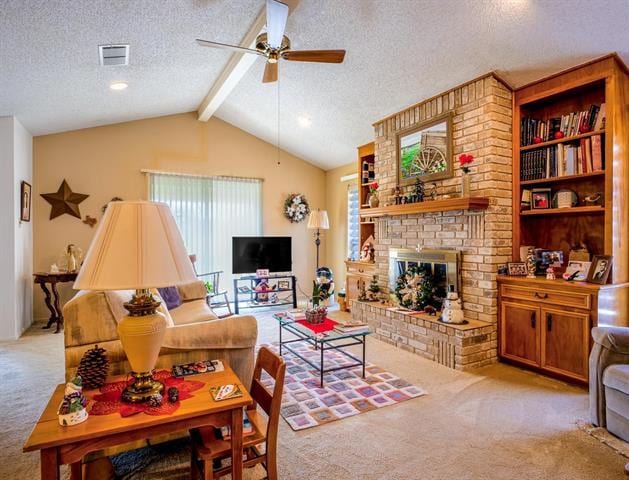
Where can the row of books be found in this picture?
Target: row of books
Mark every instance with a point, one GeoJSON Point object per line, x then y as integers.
{"type": "Point", "coordinates": [571, 124]}
{"type": "Point", "coordinates": [563, 159]}
{"type": "Point", "coordinates": [368, 172]}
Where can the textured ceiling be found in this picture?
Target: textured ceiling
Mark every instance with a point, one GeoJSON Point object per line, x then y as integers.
{"type": "Point", "coordinates": [399, 52]}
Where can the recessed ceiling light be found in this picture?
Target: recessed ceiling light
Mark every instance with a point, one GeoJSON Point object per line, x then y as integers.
{"type": "Point", "coordinates": [118, 85]}
{"type": "Point", "coordinates": [304, 121]}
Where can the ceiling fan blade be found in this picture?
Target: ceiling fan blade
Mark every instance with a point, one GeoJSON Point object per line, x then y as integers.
{"type": "Point", "coordinates": [224, 46]}
{"type": "Point", "coordinates": [276, 15]}
{"type": "Point", "coordinates": [270, 73]}
{"type": "Point", "coordinates": [323, 56]}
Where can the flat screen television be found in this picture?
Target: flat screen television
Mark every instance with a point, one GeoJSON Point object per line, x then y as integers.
{"type": "Point", "coordinates": [252, 253]}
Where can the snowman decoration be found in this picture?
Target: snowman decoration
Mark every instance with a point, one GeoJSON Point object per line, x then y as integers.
{"type": "Point", "coordinates": [452, 308]}
{"type": "Point", "coordinates": [72, 410]}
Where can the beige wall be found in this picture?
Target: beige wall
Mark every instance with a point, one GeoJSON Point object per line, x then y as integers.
{"type": "Point", "coordinates": [336, 237]}
{"type": "Point", "coordinates": [105, 162]}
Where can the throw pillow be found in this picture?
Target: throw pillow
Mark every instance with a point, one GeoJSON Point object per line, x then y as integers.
{"type": "Point", "coordinates": [171, 296]}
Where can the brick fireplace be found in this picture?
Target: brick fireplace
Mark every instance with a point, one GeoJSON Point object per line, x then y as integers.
{"type": "Point", "coordinates": [482, 127]}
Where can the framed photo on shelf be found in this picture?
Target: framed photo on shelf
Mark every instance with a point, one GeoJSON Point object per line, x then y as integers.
{"type": "Point", "coordinates": [516, 269]}
{"type": "Point", "coordinates": [25, 202]}
{"type": "Point", "coordinates": [283, 284]}
{"type": "Point", "coordinates": [552, 258]}
{"type": "Point", "coordinates": [540, 198]}
{"type": "Point", "coordinates": [600, 268]}
{"type": "Point", "coordinates": [579, 268]}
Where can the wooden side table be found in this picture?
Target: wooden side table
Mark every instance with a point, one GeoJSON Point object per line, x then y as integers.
{"type": "Point", "coordinates": [42, 278]}
{"type": "Point", "coordinates": [68, 445]}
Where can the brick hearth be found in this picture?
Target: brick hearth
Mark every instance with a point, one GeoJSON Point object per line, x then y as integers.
{"type": "Point", "coordinates": [462, 347]}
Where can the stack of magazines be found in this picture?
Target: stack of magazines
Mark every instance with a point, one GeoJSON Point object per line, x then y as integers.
{"type": "Point", "coordinates": [352, 326]}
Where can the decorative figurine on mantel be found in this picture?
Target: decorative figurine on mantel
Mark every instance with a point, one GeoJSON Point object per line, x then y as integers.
{"type": "Point", "coordinates": [531, 263]}
{"type": "Point", "coordinates": [550, 273]}
{"type": "Point", "coordinates": [397, 194]}
{"type": "Point", "coordinates": [72, 410]}
{"type": "Point", "coordinates": [452, 308]}
{"type": "Point", "coordinates": [419, 191]}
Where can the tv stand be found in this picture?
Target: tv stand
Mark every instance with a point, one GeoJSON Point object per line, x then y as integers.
{"type": "Point", "coordinates": [245, 287]}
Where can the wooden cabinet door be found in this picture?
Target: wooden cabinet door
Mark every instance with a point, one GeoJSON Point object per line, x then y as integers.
{"type": "Point", "coordinates": [352, 288]}
{"type": "Point", "coordinates": [519, 332]}
{"type": "Point", "coordinates": [565, 342]}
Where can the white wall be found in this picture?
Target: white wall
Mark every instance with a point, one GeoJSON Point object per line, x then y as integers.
{"type": "Point", "coordinates": [16, 239]}
{"type": "Point", "coordinates": [23, 165]}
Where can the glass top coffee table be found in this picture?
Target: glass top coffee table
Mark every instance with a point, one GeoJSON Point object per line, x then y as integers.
{"type": "Point", "coordinates": [321, 341]}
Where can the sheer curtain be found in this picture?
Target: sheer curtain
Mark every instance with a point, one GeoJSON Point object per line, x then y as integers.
{"type": "Point", "coordinates": [209, 212]}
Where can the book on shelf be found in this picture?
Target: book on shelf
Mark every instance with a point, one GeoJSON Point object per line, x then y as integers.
{"type": "Point", "coordinates": [563, 159]}
{"type": "Point", "coordinates": [570, 124]}
{"type": "Point", "coordinates": [225, 432]}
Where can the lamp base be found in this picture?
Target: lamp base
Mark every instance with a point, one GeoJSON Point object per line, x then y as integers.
{"type": "Point", "coordinates": [143, 388]}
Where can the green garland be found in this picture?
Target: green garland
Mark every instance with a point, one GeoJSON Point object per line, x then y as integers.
{"type": "Point", "coordinates": [423, 294]}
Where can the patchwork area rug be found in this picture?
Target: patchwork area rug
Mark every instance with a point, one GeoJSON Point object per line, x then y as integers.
{"type": "Point", "coordinates": [344, 394]}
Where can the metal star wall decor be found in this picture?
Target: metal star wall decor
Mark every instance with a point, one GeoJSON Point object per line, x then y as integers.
{"type": "Point", "coordinates": [64, 201]}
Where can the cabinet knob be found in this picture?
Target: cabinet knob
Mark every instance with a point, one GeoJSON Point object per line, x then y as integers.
{"type": "Point", "coordinates": [541, 295]}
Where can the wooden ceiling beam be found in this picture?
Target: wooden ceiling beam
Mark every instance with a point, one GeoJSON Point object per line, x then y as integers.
{"type": "Point", "coordinates": [237, 66]}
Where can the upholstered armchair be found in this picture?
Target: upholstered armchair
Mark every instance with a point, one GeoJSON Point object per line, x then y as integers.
{"type": "Point", "coordinates": [609, 380]}
{"type": "Point", "coordinates": [194, 333]}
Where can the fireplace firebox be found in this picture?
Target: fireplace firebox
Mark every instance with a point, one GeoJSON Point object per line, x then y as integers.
{"type": "Point", "coordinates": [443, 265]}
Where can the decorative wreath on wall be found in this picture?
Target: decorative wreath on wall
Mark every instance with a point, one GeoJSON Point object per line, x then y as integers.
{"type": "Point", "coordinates": [296, 208]}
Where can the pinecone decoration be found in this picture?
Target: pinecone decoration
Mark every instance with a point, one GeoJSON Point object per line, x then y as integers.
{"type": "Point", "coordinates": [94, 367]}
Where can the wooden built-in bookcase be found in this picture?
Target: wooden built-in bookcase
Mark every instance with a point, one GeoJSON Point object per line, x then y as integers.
{"type": "Point", "coordinates": [545, 324]}
{"type": "Point", "coordinates": [366, 163]}
{"type": "Point", "coordinates": [603, 81]}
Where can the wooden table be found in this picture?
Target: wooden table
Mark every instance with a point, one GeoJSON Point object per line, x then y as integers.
{"type": "Point", "coordinates": [68, 445]}
{"type": "Point", "coordinates": [42, 278]}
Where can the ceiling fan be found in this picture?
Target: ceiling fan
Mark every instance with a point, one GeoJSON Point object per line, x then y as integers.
{"type": "Point", "coordinates": [274, 45]}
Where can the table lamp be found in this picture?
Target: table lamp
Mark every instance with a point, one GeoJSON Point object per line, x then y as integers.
{"type": "Point", "coordinates": [137, 246]}
{"type": "Point", "coordinates": [318, 220]}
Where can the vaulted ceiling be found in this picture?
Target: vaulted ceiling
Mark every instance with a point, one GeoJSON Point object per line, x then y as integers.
{"type": "Point", "coordinates": [398, 53]}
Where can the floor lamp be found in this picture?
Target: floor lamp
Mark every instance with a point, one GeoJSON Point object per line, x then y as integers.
{"type": "Point", "coordinates": [318, 220]}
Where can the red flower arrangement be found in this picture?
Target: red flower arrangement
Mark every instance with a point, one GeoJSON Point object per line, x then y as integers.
{"type": "Point", "coordinates": [465, 160]}
{"type": "Point", "coordinates": [373, 187]}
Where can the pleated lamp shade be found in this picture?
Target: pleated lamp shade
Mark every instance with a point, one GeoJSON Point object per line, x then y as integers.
{"type": "Point", "coordinates": [318, 219]}
{"type": "Point", "coordinates": [137, 245]}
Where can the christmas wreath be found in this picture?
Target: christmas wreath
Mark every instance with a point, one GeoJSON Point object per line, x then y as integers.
{"type": "Point", "coordinates": [296, 207]}
{"type": "Point", "coordinates": [415, 289]}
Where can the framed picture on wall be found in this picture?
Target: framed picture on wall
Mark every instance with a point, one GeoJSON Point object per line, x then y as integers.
{"type": "Point", "coordinates": [25, 202]}
{"type": "Point", "coordinates": [425, 151]}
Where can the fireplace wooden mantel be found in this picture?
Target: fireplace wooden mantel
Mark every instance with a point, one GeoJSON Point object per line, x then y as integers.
{"type": "Point", "coordinates": [430, 206]}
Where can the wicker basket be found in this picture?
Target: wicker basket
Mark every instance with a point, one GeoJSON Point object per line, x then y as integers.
{"type": "Point", "coordinates": [316, 318]}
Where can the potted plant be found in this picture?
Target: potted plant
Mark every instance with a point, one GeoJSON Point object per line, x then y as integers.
{"type": "Point", "coordinates": [373, 195]}
{"type": "Point", "coordinates": [316, 313]}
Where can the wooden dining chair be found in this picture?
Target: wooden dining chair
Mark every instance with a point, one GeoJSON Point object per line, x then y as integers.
{"type": "Point", "coordinates": [208, 447]}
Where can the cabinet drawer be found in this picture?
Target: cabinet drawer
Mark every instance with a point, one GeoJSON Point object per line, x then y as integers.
{"type": "Point", "coordinates": [554, 297]}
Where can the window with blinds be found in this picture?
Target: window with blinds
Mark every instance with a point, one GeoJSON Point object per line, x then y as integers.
{"type": "Point", "coordinates": [209, 211]}
{"type": "Point", "coordinates": [353, 223]}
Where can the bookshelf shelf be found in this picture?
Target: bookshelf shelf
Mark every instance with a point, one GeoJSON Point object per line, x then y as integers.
{"type": "Point", "coordinates": [561, 140]}
{"type": "Point", "coordinates": [564, 179]}
{"type": "Point", "coordinates": [562, 211]}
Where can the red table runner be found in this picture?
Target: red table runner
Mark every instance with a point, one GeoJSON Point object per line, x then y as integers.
{"type": "Point", "coordinates": [108, 401]}
{"type": "Point", "coordinates": [325, 326]}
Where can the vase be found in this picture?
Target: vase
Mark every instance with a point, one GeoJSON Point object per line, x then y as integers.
{"type": "Point", "coordinates": [465, 185]}
{"type": "Point", "coordinates": [373, 200]}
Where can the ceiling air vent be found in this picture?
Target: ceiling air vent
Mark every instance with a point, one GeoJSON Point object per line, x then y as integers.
{"type": "Point", "coordinates": [111, 55]}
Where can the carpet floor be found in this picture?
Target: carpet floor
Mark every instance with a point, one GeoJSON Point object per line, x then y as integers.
{"type": "Point", "coordinates": [497, 422]}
